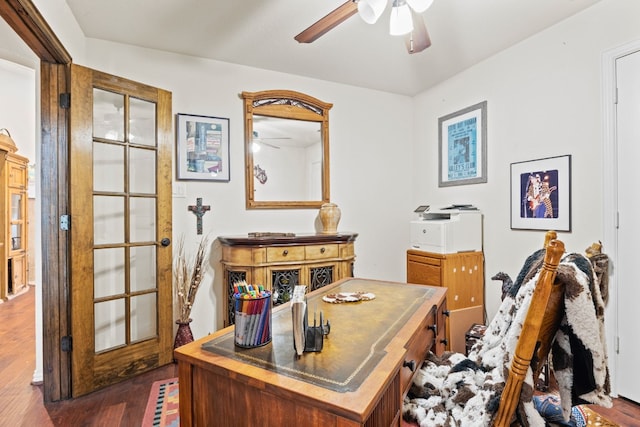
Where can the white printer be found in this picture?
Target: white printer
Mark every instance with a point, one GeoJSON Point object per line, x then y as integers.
{"type": "Point", "coordinates": [447, 231]}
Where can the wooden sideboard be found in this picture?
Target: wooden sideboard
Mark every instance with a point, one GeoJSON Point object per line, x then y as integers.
{"type": "Point", "coordinates": [280, 262]}
{"type": "Point", "coordinates": [463, 274]}
{"type": "Point", "coordinates": [359, 378]}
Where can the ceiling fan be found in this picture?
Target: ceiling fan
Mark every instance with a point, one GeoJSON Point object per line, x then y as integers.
{"type": "Point", "coordinates": [261, 140]}
{"type": "Point", "coordinates": [405, 20]}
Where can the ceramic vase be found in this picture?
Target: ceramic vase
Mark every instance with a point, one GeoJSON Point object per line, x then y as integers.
{"type": "Point", "coordinates": [184, 335]}
{"type": "Point", "coordinates": [329, 217]}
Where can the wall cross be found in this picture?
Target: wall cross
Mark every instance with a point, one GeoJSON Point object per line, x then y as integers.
{"type": "Point", "coordinates": [199, 210]}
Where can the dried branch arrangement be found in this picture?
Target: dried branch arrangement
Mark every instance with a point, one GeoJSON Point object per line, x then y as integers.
{"type": "Point", "coordinates": [187, 275]}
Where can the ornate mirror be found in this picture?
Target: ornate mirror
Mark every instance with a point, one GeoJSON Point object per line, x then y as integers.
{"type": "Point", "coordinates": [286, 137]}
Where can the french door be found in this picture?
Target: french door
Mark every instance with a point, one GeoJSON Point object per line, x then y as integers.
{"type": "Point", "coordinates": [120, 228]}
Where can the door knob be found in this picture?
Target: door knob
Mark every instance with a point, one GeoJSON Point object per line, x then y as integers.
{"type": "Point", "coordinates": [165, 242]}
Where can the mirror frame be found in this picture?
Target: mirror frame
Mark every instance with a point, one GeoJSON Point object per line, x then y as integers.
{"type": "Point", "coordinates": [285, 104]}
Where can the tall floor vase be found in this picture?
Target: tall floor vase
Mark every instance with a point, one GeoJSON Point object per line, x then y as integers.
{"type": "Point", "coordinates": [184, 335]}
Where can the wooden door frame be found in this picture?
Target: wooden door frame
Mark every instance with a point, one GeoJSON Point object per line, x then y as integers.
{"type": "Point", "coordinates": [28, 23]}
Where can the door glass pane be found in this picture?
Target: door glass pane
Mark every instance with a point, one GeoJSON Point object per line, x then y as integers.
{"type": "Point", "coordinates": [142, 171]}
{"type": "Point", "coordinates": [108, 272]}
{"type": "Point", "coordinates": [142, 268]}
{"type": "Point", "coordinates": [142, 122]}
{"type": "Point", "coordinates": [108, 115]}
{"type": "Point", "coordinates": [143, 317]}
{"type": "Point", "coordinates": [142, 215]}
{"type": "Point", "coordinates": [108, 167]}
{"type": "Point", "coordinates": [108, 219]}
{"type": "Point", "coordinates": [110, 324]}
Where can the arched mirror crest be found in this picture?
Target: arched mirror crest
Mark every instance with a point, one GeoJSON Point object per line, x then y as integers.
{"type": "Point", "coordinates": [286, 150]}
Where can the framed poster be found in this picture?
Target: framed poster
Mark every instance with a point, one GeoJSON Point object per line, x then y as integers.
{"type": "Point", "coordinates": [541, 194]}
{"type": "Point", "coordinates": [462, 146]}
{"type": "Point", "coordinates": [202, 148]}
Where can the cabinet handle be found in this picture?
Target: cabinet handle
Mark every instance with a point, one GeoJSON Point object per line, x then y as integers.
{"type": "Point", "coordinates": [446, 313]}
{"type": "Point", "coordinates": [444, 341]}
{"type": "Point", "coordinates": [434, 328]}
{"type": "Point", "coordinates": [410, 364]}
{"type": "Point", "coordinates": [322, 250]}
{"type": "Point", "coordinates": [285, 252]}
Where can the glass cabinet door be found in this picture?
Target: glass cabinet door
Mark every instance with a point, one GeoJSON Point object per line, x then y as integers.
{"type": "Point", "coordinates": [16, 221]}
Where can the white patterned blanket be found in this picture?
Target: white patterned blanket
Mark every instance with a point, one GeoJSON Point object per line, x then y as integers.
{"type": "Point", "coordinates": [455, 390]}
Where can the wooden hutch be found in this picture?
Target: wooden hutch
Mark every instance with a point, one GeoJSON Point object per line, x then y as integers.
{"type": "Point", "coordinates": [13, 227]}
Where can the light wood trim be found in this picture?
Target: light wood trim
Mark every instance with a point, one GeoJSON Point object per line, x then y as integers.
{"type": "Point", "coordinates": [285, 112]}
{"type": "Point", "coordinates": [285, 94]}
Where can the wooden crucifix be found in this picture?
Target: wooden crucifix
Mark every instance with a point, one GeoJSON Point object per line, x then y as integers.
{"type": "Point", "coordinates": [199, 210]}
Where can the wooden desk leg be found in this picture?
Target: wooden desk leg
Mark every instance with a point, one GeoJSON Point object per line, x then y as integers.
{"type": "Point", "coordinates": [185, 385]}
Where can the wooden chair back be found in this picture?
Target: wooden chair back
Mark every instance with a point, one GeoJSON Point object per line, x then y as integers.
{"type": "Point", "coordinates": [539, 329]}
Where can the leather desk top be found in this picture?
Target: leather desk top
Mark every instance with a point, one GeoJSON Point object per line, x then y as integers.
{"type": "Point", "coordinates": [359, 334]}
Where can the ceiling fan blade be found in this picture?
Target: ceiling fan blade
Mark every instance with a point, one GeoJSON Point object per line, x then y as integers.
{"type": "Point", "coordinates": [330, 21]}
{"type": "Point", "coordinates": [418, 39]}
{"type": "Point", "coordinates": [269, 145]}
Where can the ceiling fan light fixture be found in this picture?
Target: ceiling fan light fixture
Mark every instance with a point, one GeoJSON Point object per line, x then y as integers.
{"type": "Point", "coordinates": [371, 10]}
{"type": "Point", "coordinates": [401, 22]}
{"type": "Point", "coordinates": [420, 5]}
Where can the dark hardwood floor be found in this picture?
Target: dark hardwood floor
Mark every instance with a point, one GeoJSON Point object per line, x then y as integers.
{"type": "Point", "coordinates": [21, 402]}
{"type": "Point", "coordinates": [119, 405]}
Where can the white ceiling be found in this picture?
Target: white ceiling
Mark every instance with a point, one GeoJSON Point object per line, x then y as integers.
{"type": "Point", "coordinates": [259, 33]}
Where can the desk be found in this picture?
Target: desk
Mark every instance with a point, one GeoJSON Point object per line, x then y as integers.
{"type": "Point", "coordinates": [359, 378]}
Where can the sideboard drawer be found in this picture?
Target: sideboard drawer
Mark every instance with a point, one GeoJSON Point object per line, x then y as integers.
{"type": "Point", "coordinates": [286, 253]}
{"type": "Point", "coordinates": [314, 252]}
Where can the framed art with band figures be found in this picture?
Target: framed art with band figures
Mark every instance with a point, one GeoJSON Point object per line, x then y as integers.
{"type": "Point", "coordinates": [541, 194]}
{"type": "Point", "coordinates": [462, 146]}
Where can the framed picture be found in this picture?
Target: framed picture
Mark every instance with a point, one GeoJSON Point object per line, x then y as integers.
{"type": "Point", "coordinates": [541, 194]}
{"type": "Point", "coordinates": [202, 148]}
{"type": "Point", "coordinates": [462, 146]}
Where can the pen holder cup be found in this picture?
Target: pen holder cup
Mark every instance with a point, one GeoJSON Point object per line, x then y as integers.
{"type": "Point", "coordinates": [252, 320]}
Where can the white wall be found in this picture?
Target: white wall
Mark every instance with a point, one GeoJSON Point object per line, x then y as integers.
{"type": "Point", "coordinates": [543, 100]}
{"type": "Point", "coordinates": [18, 106]}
